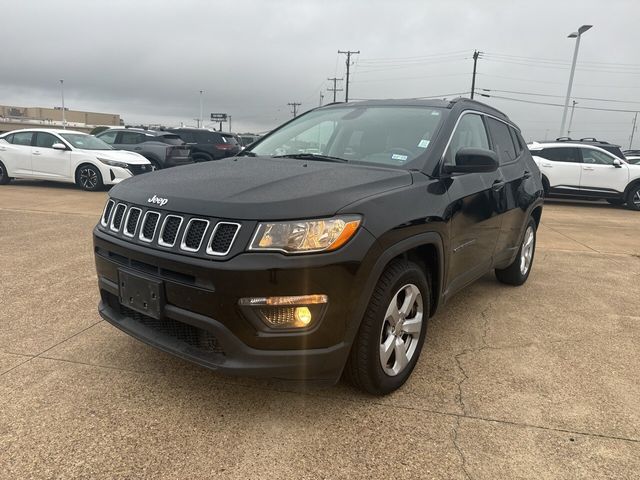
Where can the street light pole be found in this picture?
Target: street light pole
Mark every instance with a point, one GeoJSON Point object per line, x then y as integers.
{"type": "Point", "coordinates": [64, 122]}
{"type": "Point", "coordinates": [573, 109]}
{"type": "Point", "coordinates": [577, 36]}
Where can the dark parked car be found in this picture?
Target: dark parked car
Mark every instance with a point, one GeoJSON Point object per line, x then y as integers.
{"type": "Point", "coordinates": [327, 246]}
{"type": "Point", "coordinates": [208, 145]}
{"type": "Point", "coordinates": [162, 149]}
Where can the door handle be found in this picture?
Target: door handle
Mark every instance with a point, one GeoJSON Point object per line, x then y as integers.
{"type": "Point", "coordinates": [588, 168]}
{"type": "Point", "coordinates": [547, 165]}
{"type": "Point", "coordinates": [138, 148]}
{"type": "Point", "coordinates": [527, 174]}
{"type": "Point", "coordinates": [37, 152]}
{"type": "Point", "coordinates": [498, 184]}
{"type": "Point", "coordinates": [2, 149]}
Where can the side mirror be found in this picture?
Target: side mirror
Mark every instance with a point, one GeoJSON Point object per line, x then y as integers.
{"type": "Point", "coordinates": [59, 146]}
{"type": "Point", "coordinates": [473, 160]}
{"type": "Point", "coordinates": [617, 163]}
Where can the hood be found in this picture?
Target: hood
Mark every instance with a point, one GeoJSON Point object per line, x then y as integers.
{"type": "Point", "coordinates": [119, 155]}
{"type": "Point", "coordinates": [260, 188]}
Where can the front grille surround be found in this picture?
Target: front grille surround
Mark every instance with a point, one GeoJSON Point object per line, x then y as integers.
{"type": "Point", "coordinates": [106, 213]}
{"type": "Point", "coordinates": [117, 217]}
{"type": "Point", "coordinates": [222, 253]}
{"type": "Point", "coordinates": [130, 232]}
{"type": "Point", "coordinates": [184, 245]}
{"type": "Point", "coordinates": [148, 216]}
{"type": "Point", "coordinates": [161, 239]}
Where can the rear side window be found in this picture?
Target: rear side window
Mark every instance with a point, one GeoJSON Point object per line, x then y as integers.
{"type": "Point", "coordinates": [22, 138]}
{"type": "Point", "coordinates": [109, 137]}
{"type": "Point", "coordinates": [502, 140]}
{"type": "Point", "coordinates": [559, 154]}
{"type": "Point", "coordinates": [188, 137]}
{"type": "Point", "coordinates": [171, 139]}
{"type": "Point", "coordinates": [471, 133]}
{"type": "Point", "coordinates": [208, 137]}
{"type": "Point", "coordinates": [131, 138]}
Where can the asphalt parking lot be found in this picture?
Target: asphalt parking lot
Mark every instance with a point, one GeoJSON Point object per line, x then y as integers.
{"type": "Point", "coordinates": [540, 381]}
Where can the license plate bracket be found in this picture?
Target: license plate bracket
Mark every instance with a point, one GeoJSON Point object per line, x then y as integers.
{"type": "Point", "coordinates": [140, 293]}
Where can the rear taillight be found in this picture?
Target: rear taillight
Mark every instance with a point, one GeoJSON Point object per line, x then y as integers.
{"type": "Point", "coordinates": [224, 146]}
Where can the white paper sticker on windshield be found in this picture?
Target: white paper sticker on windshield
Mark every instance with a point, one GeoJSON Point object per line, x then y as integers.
{"type": "Point", "coordinates": [423, 143]}
{"type": "Point", "coordinates": [397, 156]}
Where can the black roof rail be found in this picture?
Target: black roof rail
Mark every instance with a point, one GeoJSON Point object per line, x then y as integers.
{"type": "Point", "coordinates": [564, 139]}
{"type": "Point", "coordinates": [591, 139]}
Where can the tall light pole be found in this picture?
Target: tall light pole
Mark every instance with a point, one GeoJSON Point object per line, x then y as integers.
{"type": "Point", "coordinates": [200, 122]}
{"type": "Point", "coordinates": [573, 109]}
{"type": "Point", "coordinates": [577, 36]}
{"type": "Point", "coordinates": [64, 122]}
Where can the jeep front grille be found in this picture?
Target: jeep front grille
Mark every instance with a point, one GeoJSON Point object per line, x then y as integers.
{"type": "Point", "coordinates": [180, 233]}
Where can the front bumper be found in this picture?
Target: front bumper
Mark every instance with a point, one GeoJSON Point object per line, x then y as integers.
{"type": "Point", "coordinates": [203, 323]}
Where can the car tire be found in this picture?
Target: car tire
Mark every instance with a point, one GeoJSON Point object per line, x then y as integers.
{"type": "Point", "coordinates": [88, 178]}
{"type": "Point", "coordinates": [4, 175]}
{"type": "Point", "coordinates": [616, 201]}
{"type": "Point", "coordinates": [518, 272]}
{"type": "Point", "coordinates": [545, 185]}
{"type": "Point", "coordinates": [372, 367]}
{"type": "Point", "coordinates": [633, 198]}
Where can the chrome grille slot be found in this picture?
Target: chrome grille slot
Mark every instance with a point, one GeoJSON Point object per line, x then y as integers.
{"type": "Point", "coordinates": [222, 238]}
{"type": "Point", "coordinates": [169, 230]}
{"type": "Point", "coordinates": [104, 221]}
{"type": "Point", "coordinates": [118, 215]}
{"type": "Point", "coordinates": [149, 225]}
{"type": "Point", "coordinates": [131, 222]}
{"type": "Point", "coordinates": [194, 234]}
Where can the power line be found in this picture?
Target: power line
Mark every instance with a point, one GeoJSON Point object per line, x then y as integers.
{"type": "Point", "coordinates": [383, 59]}
{"type": "Point", "coordinates": [443, 96]}
{"type": "Point", "coordinates": [348, 53]}
{"type": "Point", "coordinates": [551, 60]}
{"type": "Point", "coordinates": [556, 104]}
{"type": "Point", "coordinates": [558, 96]}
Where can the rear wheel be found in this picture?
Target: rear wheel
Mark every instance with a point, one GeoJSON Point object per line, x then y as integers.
{"type": "Point", "coordinates": [633, 198]}
{"type": "Point", "coordinates": [4, 175]}
{"type": "Point", "coordinates": [392, 332]}
{"type": "Point", "coordinates": [88, 178]}
{"type": "Point", "coordinates": [518, 272]}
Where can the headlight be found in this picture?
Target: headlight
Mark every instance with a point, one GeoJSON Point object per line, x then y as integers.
{"type": "Point", "coordinates": [305, 236]}
{"type": "Point", "coordinates": [113, 163]}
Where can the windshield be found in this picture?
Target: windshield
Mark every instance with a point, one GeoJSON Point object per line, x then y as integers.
{"type": "Point", "coordinates": [85, 142]}
{"type": "Point", "coordinates": [391, 136]}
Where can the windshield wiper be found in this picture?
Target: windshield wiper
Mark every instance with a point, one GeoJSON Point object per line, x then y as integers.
{"type": "Point", "coordinates": [246, 153]}
{"type": "Point", "coordinates": [312, 156]}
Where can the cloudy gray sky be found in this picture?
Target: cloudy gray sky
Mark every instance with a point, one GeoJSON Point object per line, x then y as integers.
{"type": "Point", "coordinates": [148, 60]}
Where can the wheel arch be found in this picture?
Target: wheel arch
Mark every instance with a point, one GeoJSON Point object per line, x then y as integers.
{"type": "Point", "coordinates": [82, 164]}
{"type": "Point", "coordinates": [632, 184]}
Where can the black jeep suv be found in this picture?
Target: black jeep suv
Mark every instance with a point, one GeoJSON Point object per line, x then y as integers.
{"type": "Point", "coordinates": [327, 245]}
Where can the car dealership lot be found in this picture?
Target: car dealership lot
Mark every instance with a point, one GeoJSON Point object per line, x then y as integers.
{"type": "Point", "coordinates": [539, 381]}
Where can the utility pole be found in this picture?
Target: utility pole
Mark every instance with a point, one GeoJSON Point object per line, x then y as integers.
{"type": "Point", "coordinates": [573, 108]}
{"type": "Point", "coordinates": [348, 53]}
{"type": "Point", "coordinates": [476, 54]}
{"type": "Point", "coordinates": [64, 122]}
{"type": "Point", "coordinates": [321, 98]}
{"type": "Point", "coordinates": [229, 117]}
{"type": "Point", "coordinates": [294, 106]}
{"type": "Point", "coordinates": [334, 89]}
{"type": "Point", "coordinates": [633, 129]}
{"type": "Point", "coordinates": [200, 122]}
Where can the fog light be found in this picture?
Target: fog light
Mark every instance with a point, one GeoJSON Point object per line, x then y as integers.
{"type": "Point", "coordinates": [287, 312]}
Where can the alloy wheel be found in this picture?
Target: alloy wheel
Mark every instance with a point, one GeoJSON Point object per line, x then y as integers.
{"type": "Point", "coordinates": [635, 199]}
{"type": "Point", "coordinates": [88, 178]}
{"type": "Point", "coordinates": [526, 252]}
{"type": "Point", "coordinates": [401, 329]}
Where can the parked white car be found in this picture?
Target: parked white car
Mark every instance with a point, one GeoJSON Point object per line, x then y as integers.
{"type": "Point", "coordinates": [66, 156]}
{"type": "Point", "coordinates": [578, 170]}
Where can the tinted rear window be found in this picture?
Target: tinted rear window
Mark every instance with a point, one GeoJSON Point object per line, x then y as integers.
{"type": "Point", "coordinates": [230, 139]}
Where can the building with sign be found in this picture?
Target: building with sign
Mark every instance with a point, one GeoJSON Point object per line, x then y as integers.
{"type": "Point", "coordinates": [12, 118]}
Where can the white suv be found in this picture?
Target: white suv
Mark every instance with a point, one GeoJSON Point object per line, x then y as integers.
{"type": "Point", "coordinates": [577, 169]}
{"type": "Point", "coordinates": [66, 156]}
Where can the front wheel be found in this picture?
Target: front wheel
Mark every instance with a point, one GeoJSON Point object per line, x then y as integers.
{"type": "Point", "coordinates": [88, 178]}
{"type": "Point", "coordinates": [633, 198]}
{"type": "Point", "coordinates": [392, 332]}
{"type": "Point", "coordinates": [4, 175]}
{"type": "Point", "coordinates": [518, 272]}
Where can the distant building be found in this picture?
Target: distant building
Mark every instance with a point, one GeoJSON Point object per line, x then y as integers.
{"type": "Point", "coordinates": [12, 118]}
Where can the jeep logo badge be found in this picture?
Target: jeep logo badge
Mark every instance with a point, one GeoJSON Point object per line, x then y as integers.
{"type": "Point", "coordinates": [158, 200]}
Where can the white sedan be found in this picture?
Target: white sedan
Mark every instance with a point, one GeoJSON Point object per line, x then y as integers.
{"type": "Point", "coordinates": [66, 156]}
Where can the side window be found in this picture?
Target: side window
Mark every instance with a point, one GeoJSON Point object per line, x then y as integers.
{"type": "Point", "coordinates": [559, 154]}
{"type": "Point", "coordinates": [595, 157]}
{"type": "Point", "coordinates": [109, 137]}
{"type": "Point", "coordinates": [503, 143]}
{"type": "Point", "coordinates": [188, 137]}
{"type": "Point", "coordinates": [130, 138]}
{"type": "Point", "coordinates": [470, 132]}
{"type": "Point", "coordinates": [517, 141]}
{"type": "Point", "coordinates": [22, 138]}
{"type": "Point", "coordinates": [9, 138]}
{"type": "Point", "coordinates": [45, 140]}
